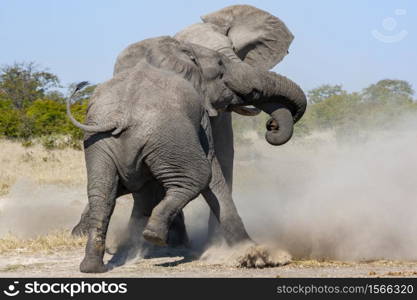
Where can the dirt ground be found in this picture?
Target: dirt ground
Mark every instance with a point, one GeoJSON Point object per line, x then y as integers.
{"type": "Point", "coordinates": [65, 264]}
{"type": "Point", "coordinates": [310, 218]}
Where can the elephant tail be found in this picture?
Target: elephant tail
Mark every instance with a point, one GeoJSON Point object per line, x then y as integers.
{"type": "Point", "coordinates": [116, 126]}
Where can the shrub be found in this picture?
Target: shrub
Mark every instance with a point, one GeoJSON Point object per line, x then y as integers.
{"type": "Point", "coordinates": [48, 115]}
{"type": "Point", "coordinates": [10, 119]}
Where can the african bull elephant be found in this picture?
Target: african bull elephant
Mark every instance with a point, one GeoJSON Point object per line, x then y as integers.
{"type": "Point", "coordinates": [245, 35]}
{"type": "Point", "coordinates": [151, 122]}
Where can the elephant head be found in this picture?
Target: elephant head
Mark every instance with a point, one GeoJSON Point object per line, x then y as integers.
{"type": "Point", "coordinates": [255, 41]}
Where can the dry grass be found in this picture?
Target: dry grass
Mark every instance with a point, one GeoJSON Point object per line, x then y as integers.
{"type": "Point", "coordinates": [41, 166]}
{"type": "Point", "coordinates": [53, 242]}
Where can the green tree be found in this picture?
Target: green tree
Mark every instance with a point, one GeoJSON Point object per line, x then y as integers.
{"type": "Point", "coordinates": [48, 116]}
{"type": "Point", "coordinates": [23, 83]}
{"type": "Point", "coordinates": [323, 92]}
{"type": "Point", "coordinates": [79, 111]}
{"type": "Point", "coordinates": [336, 110]}
{"type": "Point", "coordinates": [9, 119]}
{"type": "Point", "coordinates": [389, 91]}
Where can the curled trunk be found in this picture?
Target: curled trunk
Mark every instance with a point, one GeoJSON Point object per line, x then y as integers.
{"type": "Point", "coordinates": [280, 126]}
{"type": "Point", "coordinates": [286, 103]}
{"type": "Point", "coordinates": [274, 94]}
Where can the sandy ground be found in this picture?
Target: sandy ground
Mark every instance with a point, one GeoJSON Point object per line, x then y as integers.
{"type": "Point", "coordinates": [66, 264]}
{"type": "Point", "coordinates": [321, 203]}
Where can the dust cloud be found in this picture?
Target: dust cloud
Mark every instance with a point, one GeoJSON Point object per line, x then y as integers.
{"type": "Point", "coordinates": [30, 209]}
{"type": "Point", "coordinates": [316, 197]}
{"type": "Point", "coordinates": [327, 198]}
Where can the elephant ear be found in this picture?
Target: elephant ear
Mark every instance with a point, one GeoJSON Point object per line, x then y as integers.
{"type": "Point", "coordinates": [259, 38]}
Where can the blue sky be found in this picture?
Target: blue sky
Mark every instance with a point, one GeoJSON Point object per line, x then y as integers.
{"type": "Point", "coordinates": [79, 40]}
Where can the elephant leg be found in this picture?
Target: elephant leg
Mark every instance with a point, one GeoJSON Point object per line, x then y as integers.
{"type": "Point", "coordinates": [82, 226]}
{"type": "Point", "coordinates": [132, 242]}
{"type": "Point", "coordinates": [184, 172]}
{"type": "Point", "coordinates": [223, 144]}
{"type": "Point", "coordinates": [102, 192]}
{"type": "Point", "coordinates": [177, 234]}
{"type": "Point", "coordinates": [219, 199]}
{"type": "Point", "coordinates": [144, 201]}
{"type": "Point", "coordinates": [163, 215]}
{"type": "Point", "coordinates": [221, 203]}
{"type": "Point", "coordinates": [147, 199]}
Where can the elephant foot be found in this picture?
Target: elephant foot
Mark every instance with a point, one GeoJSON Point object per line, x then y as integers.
{"type": "Point", "coordinates": [156, 231]}
{"type": "Point", "coordinates": [257, 256]}
{"type": "Point", "coordinates": [92, 266]}
{"type": "Point", "coordinates": [154, 237]}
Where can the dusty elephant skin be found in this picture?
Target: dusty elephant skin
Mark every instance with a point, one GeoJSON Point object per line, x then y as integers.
{"type": "Point", "coordinates": [160, 99]}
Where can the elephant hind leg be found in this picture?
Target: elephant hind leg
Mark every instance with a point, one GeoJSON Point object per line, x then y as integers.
{"type": "Point", "coordinates": [81, 228]}
{"type": "Point", "coordinates": [183, 172]}
{"type": "Point", "coordinates": [144, 201]}
{"type": "Point", "coordinates": [102, 192]}
{"type": "Point", "coordinates": [164, 214]}
{"type": "Point", "coordinates": [132, 242]}
{"type": "Point", "coordinates": [177, 235]}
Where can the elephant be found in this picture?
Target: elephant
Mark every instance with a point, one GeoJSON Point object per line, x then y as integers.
{"type": "Point", "coordinates": [151, 122]}
{"type": "Point", "coordinates": [246, 35]}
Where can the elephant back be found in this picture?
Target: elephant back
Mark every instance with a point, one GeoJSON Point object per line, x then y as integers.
{"type": "Point", "coordinates": [133, 54]}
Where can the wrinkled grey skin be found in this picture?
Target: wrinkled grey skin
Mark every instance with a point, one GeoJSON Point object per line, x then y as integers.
{"type": "Point", "coordinates": [150, 122]}
{"type": "Point", "coordinates": [274, 94]}
{"type": "Point", "coordinates": [246, 35]}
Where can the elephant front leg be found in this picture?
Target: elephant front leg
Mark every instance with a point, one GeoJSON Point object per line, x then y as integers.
{"type": "Point", "coordinates": [223, 145]}
{"type": "Point", "coordinates": [221, 203]}
{"type": "Point", "coordinates": [223, 208]}
{"type": "Point", "coordinates": [102, 192]}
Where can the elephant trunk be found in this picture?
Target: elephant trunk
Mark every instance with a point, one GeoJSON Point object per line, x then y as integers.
{"type": "Point", "coordinates": [280, 89]}
{"type": "Point", "coordinates": [285, 102]}
{"type": "Point", "coordinates": [280, 126]}
{"type": "Point", "coordinates": [274, 94]}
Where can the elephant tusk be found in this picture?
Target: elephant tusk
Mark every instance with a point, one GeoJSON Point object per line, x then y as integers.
{"type": "Point", "coordinates": [246, 111]}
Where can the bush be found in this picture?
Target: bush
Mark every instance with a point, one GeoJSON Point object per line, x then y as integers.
{"type": "Point", "coordinates": [10, 120]}
{"type": "Point", "coordinates": [48, 115]}
{"type": "Point", "coordinates": [44, 117]}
